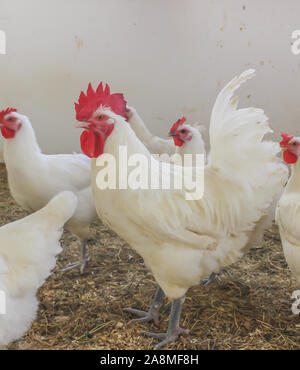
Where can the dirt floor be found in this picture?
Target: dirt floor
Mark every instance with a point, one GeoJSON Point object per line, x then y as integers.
{"type": "Point", "coordinates": [248, 308]}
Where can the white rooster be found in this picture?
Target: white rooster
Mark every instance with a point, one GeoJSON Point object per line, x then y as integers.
{"type": "Point", "coordinates": [34, 178]}
{"type": "Point", "coordinates": [27, 255]}
{"type": "Point", "coordinates": [180, 240]}
{"type": "Point", "coordinates": [288, 208]}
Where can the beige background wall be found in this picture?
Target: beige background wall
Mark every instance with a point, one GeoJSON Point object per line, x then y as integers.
{"type": "Point", "coordinates": [169, 57]}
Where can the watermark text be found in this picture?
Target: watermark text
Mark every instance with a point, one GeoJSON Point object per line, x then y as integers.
{"type": "Point", "coordinates": [295, 45]}
{"type": "Point", "coordinates": [157, 172]}
{"type": "Point", "coordinates": [2, 42]}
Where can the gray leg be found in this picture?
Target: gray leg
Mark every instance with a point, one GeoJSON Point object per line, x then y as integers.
{"type": "Point", "coordinates": [174, 330]}
{"type": "Point", "coordinates": [153, 313]}
{"type": "Point", "coordinates": [83, 259]}
{"type": "Point", "coordinates": [211, 279]}
{"type": "Point", "coordinates": [83, 256]}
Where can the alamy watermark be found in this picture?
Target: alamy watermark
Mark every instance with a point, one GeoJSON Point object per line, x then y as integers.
{"type": "Point", "coordinates": [2, 303]}
{"type": "Point", "coordinates": [2, 42]}
{"type": "Point", "coordinates": [295, 45]}
{"type": "Point", "coordinates": [138, 171]}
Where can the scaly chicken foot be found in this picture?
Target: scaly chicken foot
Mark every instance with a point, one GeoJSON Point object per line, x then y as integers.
{"type": "Point", "coordinates": [174, 330]}
{"type": "Point", "coordinates": [153, 313]}
{"type": "Point", "coordinates": [82, 263]}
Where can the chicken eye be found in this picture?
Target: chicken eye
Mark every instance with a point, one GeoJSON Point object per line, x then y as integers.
{"type": "Point", "coordinates": [295, 143]}
{"type": "Point", "coordinates": [10, 119]}
{"type": "Point", "coordinates": [183, 131]}
{"type": "Point", "coordinates": [101, 117]}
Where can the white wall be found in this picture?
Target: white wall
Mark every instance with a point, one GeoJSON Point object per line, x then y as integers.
{"type": "Point", "coordinates": [169, 58]}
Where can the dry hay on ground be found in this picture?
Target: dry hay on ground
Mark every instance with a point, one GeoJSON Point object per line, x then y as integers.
{"type": "Point", "coordinates": [250, 308]}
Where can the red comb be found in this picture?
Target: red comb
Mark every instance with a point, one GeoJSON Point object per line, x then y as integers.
{"type": "Point", "coordinates": [285, 139]}
{"type": "Point", "coordinates": [178, 123]}
{"type": "Point", "coordinates": [6, 111]}
{"type": "Point", "coordinates": [91, 101]}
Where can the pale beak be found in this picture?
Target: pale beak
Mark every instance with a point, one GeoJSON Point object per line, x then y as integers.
{"type": "Point", "coordinates": [81, 125]}
{"type": "Point", "coordinates": [284, 147]}
{"type": "Point", "coordinates": [171, 134]}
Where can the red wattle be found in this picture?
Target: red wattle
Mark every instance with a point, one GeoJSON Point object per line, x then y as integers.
{"type": "Point", "coordinates": [7, 133]}
{"type": "Point", "coordinates": [289, 158]}
{"type": "Point", "coordinates": [92, 144]}
{"type": "Point", "coordinates": [178, 141]}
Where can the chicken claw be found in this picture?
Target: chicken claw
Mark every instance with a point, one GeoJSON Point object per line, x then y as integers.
{"type": "Point", "coordinates": [153, 313]}
{"type": "Point", "coordinates": [167, 337]}
{"type": "Point", "coordinates": [82, 263]}
{"type": "Point", "coordinates": [174, 330]}
{"type": "Point", "coordinates": [211, 279]}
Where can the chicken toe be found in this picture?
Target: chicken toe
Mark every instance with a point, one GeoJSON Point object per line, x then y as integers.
{"type": "Point", "coordinates": [211, 279]}
{"type": "Point", "coordinates": [153, 313]}
{"type": "Point", "coordinates": [83, 261]}
{"type": "Point", "coordinates": [167, 337]}
{"type": "Point", "coordinates": [174, 330]}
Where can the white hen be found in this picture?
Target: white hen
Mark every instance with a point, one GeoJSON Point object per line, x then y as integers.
{"type": "Point", "coordinates": [157, 145]}
{"type": "Point", "coordinates": [27, 255]}
{"type": "Point", "coordinates": [187, 139]}
{"type": "Point", "coordinates": [34, 178]}
{"type": "Point", "coordinates": [288, 208]}
{"type": "Point", "coordinates": [181, 240]}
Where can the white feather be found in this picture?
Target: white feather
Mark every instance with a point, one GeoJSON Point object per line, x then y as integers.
{"type": "Point", "coordinates": [155, 144]}
{"type": "Point", "coordinates": [27, 255]}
